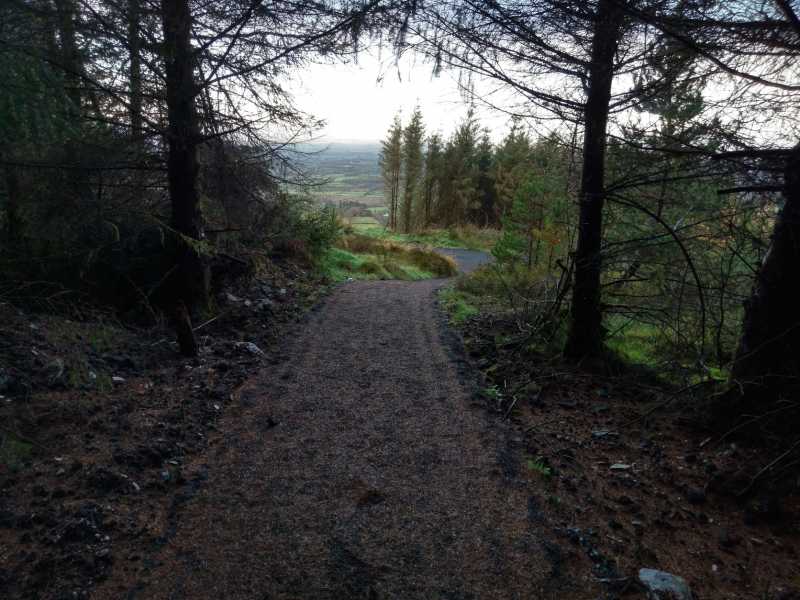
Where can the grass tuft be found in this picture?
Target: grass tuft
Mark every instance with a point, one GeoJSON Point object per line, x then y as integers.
{"type": "Point", "coordinates": [457, 305]}
{"type": "Point", "coordinates": [469, 237]}
{"type": "Point", "coordinates": [361, 257]}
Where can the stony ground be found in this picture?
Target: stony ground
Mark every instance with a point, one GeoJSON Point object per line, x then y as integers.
{"type": "Point", "coordinates": [362, 466]}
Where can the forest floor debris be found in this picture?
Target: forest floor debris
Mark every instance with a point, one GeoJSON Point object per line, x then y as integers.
{"type": "Point", "coordinates": [639, 488]}
{"type": "Point", "coordinates": [105, 443]}
{"type": "Point", "coordinates": [98, 420]}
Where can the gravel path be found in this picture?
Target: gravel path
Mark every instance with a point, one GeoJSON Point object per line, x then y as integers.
{"type": "Point", "coordinates": [468, 260]}
{"type": "Point", "coordinates": [361, 466]}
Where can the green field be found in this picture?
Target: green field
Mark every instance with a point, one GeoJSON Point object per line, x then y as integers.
{"type": "Point", "coordinates": [344, 173]}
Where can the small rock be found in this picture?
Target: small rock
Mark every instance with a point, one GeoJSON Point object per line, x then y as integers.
{"type": "Point", "coordinates": [603, 434]}
{"type": "Point", "coordinates": [664, 586]}
{"type": "Point", "coordinates": [250, 347]}
{"type": "Point", "coordinates": [620, 467]}
{"type": "Point", "coordinates": [117, 379]}
{"type": "Point", "coordinates": [231, 298]}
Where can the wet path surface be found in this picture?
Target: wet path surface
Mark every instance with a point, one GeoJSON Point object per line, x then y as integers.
{"type": "Point", "coordinates": [467, 260]}
{"type": "Point", "coordinates": [361, 466]}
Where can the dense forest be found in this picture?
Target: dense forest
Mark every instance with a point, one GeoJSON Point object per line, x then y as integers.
{"type": "Point", "coordinates": [139, 141]}
{"type": "Point", "coordinates": [171, 378]}
{"type": "Point", "coordinates": [676, 146]}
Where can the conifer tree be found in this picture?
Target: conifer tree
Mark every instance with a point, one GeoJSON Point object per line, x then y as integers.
{"type": "Point", "coordinates": [432, 179]}
{"type": "Point", "coordinates": [485, 215]}
{"type": "Point", "coordinates": [459, 181]}
{"type": "Point", "coordinates": [512, 162]}
{"type": "Point", "coordinates": [391, 161]}
{"type": "Point", "coordinates": [413, 135]}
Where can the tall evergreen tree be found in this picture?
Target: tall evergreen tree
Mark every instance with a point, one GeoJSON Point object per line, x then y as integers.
{"type": "Point", "coordinates": [512, 163]}
{"type": "Point", "coordinates": [189, 286]}
{"type": "Point", "coordinates": [391, 162]}
{"type": "Point", "coordinates": [585, 335]}
{"type": "Point", "coordinates": [432, 179]}
{"type": "Point", "coordinates": [486, 214]}
{"type": "Point", "coordinates": [459, 182]}
{"type": "Point", "coordinates": [413, 135]}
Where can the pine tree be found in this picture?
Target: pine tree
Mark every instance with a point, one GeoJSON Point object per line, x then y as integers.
{"type": "Point", "coordinates": [513, 160]}
{"type": "Point", "coordinates": [486, 214]}
{"type": "Point", "coordinates": [460, 173]}
{"type": "Point", "coordinates": [432, 179]}
{"type": "Point", "coordinates": [413, 135]}
{"type": "Point", "coordinates": [391, 161]}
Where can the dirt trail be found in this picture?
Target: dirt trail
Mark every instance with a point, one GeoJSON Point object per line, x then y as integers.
{"type": "Point", "coordinates": [361, 466]}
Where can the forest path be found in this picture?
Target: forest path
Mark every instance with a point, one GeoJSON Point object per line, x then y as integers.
{"type": "Point", "coordinates": [361, 466]}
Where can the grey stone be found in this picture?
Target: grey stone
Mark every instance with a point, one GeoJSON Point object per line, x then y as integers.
{"type": "Point", "coordinates": [620, 467]}
{"type": "Point", "coordinates": [250, 347]}
{"type": "Point", "coordinates": [664, 586]}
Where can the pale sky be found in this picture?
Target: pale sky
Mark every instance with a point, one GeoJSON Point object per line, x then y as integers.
{"type": "Point", "coordinates": [359, 101]}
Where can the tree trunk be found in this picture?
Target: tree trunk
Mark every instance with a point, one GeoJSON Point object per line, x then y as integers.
{"type": "Point", "coordinates": [585, 333]}
{"type": "Point", "coordinates": [135, 73]}
{"type": "Point", "coordinates": [768, 356]}
{"type": "Point", "coordinates": [189, 284]}
{"type": "Point", "coordinates": [70, 60]}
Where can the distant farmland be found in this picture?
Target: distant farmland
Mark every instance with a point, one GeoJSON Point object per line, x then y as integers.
{"type": "Point", "coordinates": [347, 173]}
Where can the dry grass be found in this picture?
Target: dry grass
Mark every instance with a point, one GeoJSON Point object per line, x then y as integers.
{"type": "Point", "coordinates": [423, 259]}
